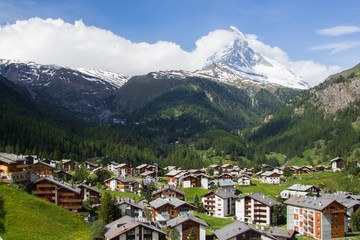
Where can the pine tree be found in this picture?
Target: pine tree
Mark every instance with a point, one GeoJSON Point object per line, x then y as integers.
{"type": "Point", "coordinates": [174, 234]}
{"type": "Point", "coordinates": [108, 211]}
{"type": "Point", "coordinates": [97, 229]}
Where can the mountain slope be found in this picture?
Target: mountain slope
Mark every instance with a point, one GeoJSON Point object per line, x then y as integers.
{"type": "Point", "coordinates": [325, 117]}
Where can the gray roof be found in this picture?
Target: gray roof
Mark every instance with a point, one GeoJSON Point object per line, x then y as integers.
{"type": "Point", "coordinates": [282, 232]}
{"type": "Point", "coordinates": [236, 228]}
{"type": "Point", "coordinates": [125, 224]}
{"type": "Point", "coordinates": [169, 188]}
{"type": "Point", "coordinates": [120, 179]}
{"type": "Point", "coordinates": [222, 193]}
{"type": "Point", "coordinates": [174, 202]}
{"type": "Point", "coordinates": [141, 166]}
{"type": "Point", "coordinates": [343, 199]}
{"type": "Point", "coordinates": [59, 183]}
{"type": "Point", "coordinates": [225, 182]}
{"type": "Point", "coordinates": [131, 203]}
{"type": "Point", "coordinates": [174, 173]}
{"type": "Point", "coordinates": [44, 163]}
{"type": "Point", "coordinates": [337, 159]}
{"type": "Point", "coordinates": [300, 187]}
{"type": "Point", "coordinates": [268, 173]}
{"type": "Point", "coordinates": [8, 158]}
{"type": "Point", "coordinates": [310, 202]}
{"type": "Point", "coordinates": [88, 187]}
{"type": "Point", "coordinates": [183, 218]}
{"type": "Point", "coordinates": [268, 201]}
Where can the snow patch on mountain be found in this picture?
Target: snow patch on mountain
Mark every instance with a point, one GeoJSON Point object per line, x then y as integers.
{"type": "Point", "coordinates": [114, 79]}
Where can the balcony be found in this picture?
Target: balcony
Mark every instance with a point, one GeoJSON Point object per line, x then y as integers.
{"type": "Point", "coordinates": [72, 207]}
{"type": "Point", "coordinates": [70, 200]}
{"type": "Point", "coordinates": [44, 185]}
{"type": "Point", "coordinates": [39, 192]}
{"type": "Point", "coordinates": [67, 194]}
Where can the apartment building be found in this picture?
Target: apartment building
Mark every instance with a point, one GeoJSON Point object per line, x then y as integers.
{"type": "Point", "coordinates": [220, 203]}
{"type": "Point", "coordinates": [168, 193]}
{"type": "Point", "coordinates": [317, 218]}
{"type": "Point", "coordinates": [119, 184]}
{"type": "Point", "coordinates": [256, 208]}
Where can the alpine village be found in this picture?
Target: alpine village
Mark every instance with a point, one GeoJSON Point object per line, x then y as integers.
{"type": "Point", "coordinates": [178, 155]}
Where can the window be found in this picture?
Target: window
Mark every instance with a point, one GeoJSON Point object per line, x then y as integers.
{"type": "Point", "coordinates": [131, 232]}
{"type": "Point", "coordinates": [147, 231]}
{"type": "Point", "coordinates": [296, 210]}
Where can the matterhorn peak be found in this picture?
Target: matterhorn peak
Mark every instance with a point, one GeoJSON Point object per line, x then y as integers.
{"type": "Point", "coordinates": [236, 31]}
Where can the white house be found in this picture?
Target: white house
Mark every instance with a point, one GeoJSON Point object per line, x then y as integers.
{"type": "Point", "coordinates": [270, 177]}
{"type": "Point", "coordinates": [299, 189]}
{"type": "Point", "coordinates": [244, 180]}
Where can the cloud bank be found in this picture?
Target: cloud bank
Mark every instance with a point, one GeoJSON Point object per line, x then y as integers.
{"type": "Point", "coordinates": [338, 30]}
{"type": "Point", "coordinates": [53, 41]}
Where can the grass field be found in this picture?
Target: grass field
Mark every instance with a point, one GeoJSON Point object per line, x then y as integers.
{"type": "Point", "coordinates": [213, 222]}
{"type": "Point", "coordinates": [29, 217]}
{"type": "Point", "coordinates": [190, 193]}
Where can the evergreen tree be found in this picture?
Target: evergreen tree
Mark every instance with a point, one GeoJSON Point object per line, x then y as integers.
{"type": "Point", "coordinates": [2, 214]}
{"type": "Point", "coordinates": [196, 200]}
{"type": "Point", "coordinates": [97, 229]}
{"type": "Point", "coordinates": [355, 221]}
{"type": "Point", "coordinates": [108, 211]}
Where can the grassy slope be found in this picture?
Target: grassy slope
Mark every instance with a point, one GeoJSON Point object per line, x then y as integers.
{"type": "Point", "coordinates": [30, 217]}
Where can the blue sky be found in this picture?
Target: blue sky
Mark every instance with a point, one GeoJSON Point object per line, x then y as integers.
{"type": "Point", "coordinates": [305, 30]}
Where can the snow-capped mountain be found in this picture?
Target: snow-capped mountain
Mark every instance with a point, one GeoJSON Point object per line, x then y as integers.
{"type": "Point", "coordinates": [115, 79]}
{"type": "Point", "coordinates": [237, 61]}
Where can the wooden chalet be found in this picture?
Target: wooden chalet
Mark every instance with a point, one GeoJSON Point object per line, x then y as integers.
{"type": "Point", "coordinates": [68, 165]}
{"type": "Point", "coordinates": [12, 168]}
{"type": "Point", "coordinates": [119, 184]}
{"type": "Point", "coordinates": [187, 222]}
{"type": "Point", "coordinates": [59, 174]}
{"type": "Point", "coordinates": [42, 169]}
{"type": "Point", "coordinates": [225, 176]}
{"type": "Point", "coordinates": [241, 230]}
{"type": "Point", "coordinates": [168, 192]}
{"type": "Point", "coordinates": [58, 192]}
{"type": "Point", "coordinates": [88, 192]}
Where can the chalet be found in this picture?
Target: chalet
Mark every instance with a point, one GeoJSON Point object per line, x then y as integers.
{"type": "Point", "coordinates": [187, 222]}
{"type": "Point", "coordinates": [58, 192]}
{"type": "Point", "coordinates": [351, 202]}
{"type": "Point", "coordinates": [166, 209]}
{"type": "Point", "coordinates": [128, 228]}
{"type": "Point", "coordinates": [225, 184]}
{"type": "Point", "coordinates": [42, 169]}
{"type": "Point", "coordinates": [151, 174]}
{"type": "Point", "coordinates": [270, 177]}
{"type": "Point", "coordinates": [283, 234]}
{"type": "Point", "coordinates": [266, 167]}
{"type": "Point", "coordinates": [173, 177]}
{"type": "Point", "coordinates": [129, 207]}
{"type": "Point", "coordinates": [88, 192]}
{"type": "Point", "coordinates": [220, 203]}
{"type": "Point", "coordinates": [123, 170]}
{"type": "Point", "coordinates": [256, 208]}
{"type": "Point", "coordinates": [12, 168]}
{"type": "Point", "coordinates": [119, 184]}
{"type": "Point", "coordinates": [244, 180]}
{"type": "Point", "coordinates": [317, 218]}
{"type": "Point", "coordinates": [59, 174]}
{"type": "Point", "coordinates": [90, 166]}
{"type": "Point", "coordinates": [215, 168]}
{"type": "Point", "coordinates": [299, 189]}
{"type": "Point", "coordinates": [226, 167]}
{"type": "Point", "coordinates": [111, 167]}
{"type": "Point", "coordinates": [68, 165]}
{"type": "Point", "coordinates": [241, 230]}
{"type": "Point", "coordinates": [168, 193]}
{"type": "Point", "coordinates": [336, 164]}
{"type": "Point", "coordinates": [196, 180]}
{"type": "Point", "coordinates": [279, 171]}
{"type": "Point", "coordinates": [225, 176]}
{"type": "Point", "coordinates": [141, 168]}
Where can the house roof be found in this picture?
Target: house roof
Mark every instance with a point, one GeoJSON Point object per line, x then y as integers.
{"type": "Point", "coordinates": [88, 187]}
{"type": "Point", "coordinates": [8, 158]}
{"type": "Point", "coordinates": [184, 218]}
{"type": "Point", "coordinates": [222, 193]}
{"type": "Point", "coordinates": [59, 183]}
{"type": "Point", "coordinates": [169, 188]}
{"type": "Point", "coordinates": [225, 182]}
{"type": "Point", "coordinates": [125, 224]}
{"type": "Point", "coordinates": [120, 179]}
{"type": "Point", "coordinates": [174, 202]}
{"type": "Point", "coordinates": [310, 202]}
{"type": "Point", "coordinates": [337, 159]}
{"type": "Point", "coordinates": [281, 232]}
{"type": "Point", "coordinates": [173, 173]}
{"type": "Point", "coordinates": [43, 163]}
{"type": "Point", "coordinates": [131, 203]}
{"type": "Point", "coordinates": [300, 187]}
{"type": "Point", "coordinates": [343, 199]}
{"type": "Point", "coordinates": [268, 173]}
{"type": "Point", "coordinates": [268, 201]}
{"type": "Point", "coordinates": [144, 174]}
{"type": "Point", "coordinates": [141, 166]}
{"type": "Point", "coordinates": [236, 228]}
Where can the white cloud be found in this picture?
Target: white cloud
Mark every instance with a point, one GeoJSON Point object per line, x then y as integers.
{"type": "Point", "coordinates": [337, 47]}
{"type": "Point", "coordinates": [53, 41]}
{"type": "Point", "coordinates": [313, 73]}
{"type": "Point", "coordinates": [338, 30]}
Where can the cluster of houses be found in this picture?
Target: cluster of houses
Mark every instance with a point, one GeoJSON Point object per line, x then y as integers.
{"type": "Point", "coordinates": [308, 214]}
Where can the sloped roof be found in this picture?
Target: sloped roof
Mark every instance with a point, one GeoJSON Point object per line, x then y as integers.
{"type": "Point", "coordinates": [268, 173]}
{"type": "Point", "coordinates": [225, 182]}
{"type": "Point", "coordinates": [120, 179]}
{"type": "Point", "coordinates": [221, 193]}
{"type": "Point", "coordinates": [300, 187]}
{"type": "Point", "coordinates": [125, 224]}
{"type": "Point", "coordinates": [173, 173]}
{"type": "Point", "coordinates": [184, 218]}
{"type": "Point", "coordinates": [310, 202]}
{"type": "Point", "coordinates": [268, 201]}
{"type": "Point", "coordinates": [59, 183]}
{"type": "Point", "coordinates": [343, 199]}
{"type": "Point", "coordinates": [88, 187]}
{"type": "Point", "coordinates": [169, 188]}
{"type": "Point", "coordinates": [174, 202]}
{"type": "Point", "coordinates": [282, 232]}
{"type": "Point", "coordinates": [131, 203]}
{"type": "Point", "coordinates": [236, 228]}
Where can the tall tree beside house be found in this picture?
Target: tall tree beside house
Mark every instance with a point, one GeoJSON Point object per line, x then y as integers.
{"type": "Point", "coordinates": [192, 235]}
{"type": "Point", "coordinates": [174, 234]}
{"type": "Point", "coordinates": [97, 230]}
{"type": "Point", "coordinates": [2, 214]}
{"type": "Point", "coordinates": [355, 221]}
{"type": "Point", "coordinates": [108, 211]}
